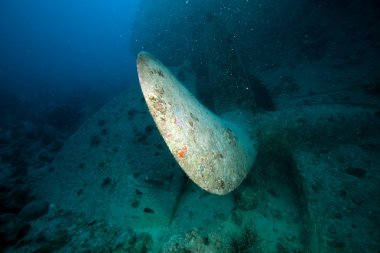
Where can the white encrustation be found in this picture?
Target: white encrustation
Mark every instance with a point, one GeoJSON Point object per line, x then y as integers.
{"type": "Point", "coordinates": [215, 153]}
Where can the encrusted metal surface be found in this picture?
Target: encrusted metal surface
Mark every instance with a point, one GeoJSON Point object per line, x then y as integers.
{"type": "Point", "coordinates": [214, 153]}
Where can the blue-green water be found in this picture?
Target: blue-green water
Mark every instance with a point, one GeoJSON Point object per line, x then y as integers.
{"type": "Point", "coordinates": [83, 167]}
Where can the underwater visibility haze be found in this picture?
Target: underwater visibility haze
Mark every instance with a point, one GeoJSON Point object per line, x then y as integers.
{"type": "Point", "coordinates": [190, 126]}
{"type": "Point", "coordinates": [62, 45]}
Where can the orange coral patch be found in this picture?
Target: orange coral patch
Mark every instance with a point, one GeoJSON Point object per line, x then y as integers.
{"type": "Point", "coordinates": [182, 152]}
